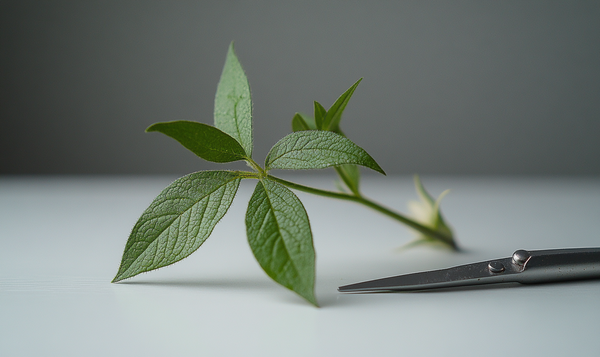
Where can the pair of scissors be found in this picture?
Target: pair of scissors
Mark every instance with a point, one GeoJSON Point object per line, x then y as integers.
{"type": "Point", "coordinates": [524, 266]}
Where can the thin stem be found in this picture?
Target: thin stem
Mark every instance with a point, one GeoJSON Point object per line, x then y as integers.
{"type": "Point", "coordinates": [256, 167]}
{"type": "Point", "coordinates": [315, 191]}
{"type": "Point", "coordinates": [248, 174]}
{"type": "Point", "coordinates": [373, 205]}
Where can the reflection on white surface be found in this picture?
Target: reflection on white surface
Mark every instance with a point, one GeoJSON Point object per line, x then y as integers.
{"type": "Point", "coordinates": [61, 241]}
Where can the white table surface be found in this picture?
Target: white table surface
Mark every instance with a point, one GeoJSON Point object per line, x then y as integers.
{"type": "Point", "coordinates": [61, 241]}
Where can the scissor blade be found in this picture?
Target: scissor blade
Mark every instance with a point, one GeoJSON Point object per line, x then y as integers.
{"type": "Point", "coordinates": [469, 274]}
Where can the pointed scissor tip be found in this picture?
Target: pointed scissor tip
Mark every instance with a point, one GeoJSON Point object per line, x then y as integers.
{"type": "Point", "coordinates": [355, 288]}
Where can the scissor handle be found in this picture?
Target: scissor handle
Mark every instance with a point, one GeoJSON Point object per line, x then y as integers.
{"type": "Point", "coordinates": [541, 266]}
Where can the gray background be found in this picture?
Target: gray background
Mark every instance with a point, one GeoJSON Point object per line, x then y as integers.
{"type": "Point", "coordinates": [485, 87]}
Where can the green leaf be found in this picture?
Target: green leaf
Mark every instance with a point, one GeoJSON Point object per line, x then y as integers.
{"type": "Point", "coordinates": [279, 234]}
{"type": "Point", "coordinates": [320, 114]}
{"type": "Point", "coordinates": [334, 114]}
{"type": "Point", "coordinates": [203, 140]}
{"type": "Point", "coordinates": [316, 150]}
{"type": "Point", "coordinates": [233, 103]}
{"type": "Point", "coordinates": [350, 175]}
{"type": "Point", "coordinates": [299, 123]}
{"type": "Point", "coordinates": [178, 221]}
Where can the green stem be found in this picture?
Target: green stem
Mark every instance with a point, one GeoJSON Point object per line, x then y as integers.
{"type": "Point", "coordinates": [373, 205]}
{"type": "Point", "coordinates": [248, 175]}
{"type": "Point", "coordinates": [256, 167]}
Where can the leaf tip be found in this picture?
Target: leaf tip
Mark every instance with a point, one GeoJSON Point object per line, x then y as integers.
{"type": "Point", "coordinates": [121, 275]}
{"type": "Point", "coordinates": [378, 168]}
{"type": "Point", "coordinates": [158, 126]}
{"type": "Point", "coordinates": [308, 296]}
{"type": "Point", "coordinates": [231, 49]}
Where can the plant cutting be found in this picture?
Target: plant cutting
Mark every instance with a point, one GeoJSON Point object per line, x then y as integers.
{"type": "Point", "coordinates": [185, 213]}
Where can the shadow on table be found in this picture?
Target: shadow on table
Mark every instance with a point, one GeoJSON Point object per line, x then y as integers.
{"type": "Point", "coordinates": [199, 283]}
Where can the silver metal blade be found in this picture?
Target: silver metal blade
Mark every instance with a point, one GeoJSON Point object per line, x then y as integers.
{"type": "Point", "coordinates": [526, 267]}
{"type": "Point", "coordinates": [489, 272]}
